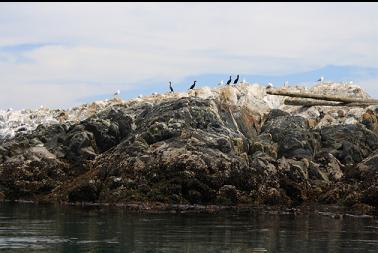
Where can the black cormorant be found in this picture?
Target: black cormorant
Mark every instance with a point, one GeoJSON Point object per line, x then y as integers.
{"type": "Point", "coordinates": [236, 80]}
{"type": "Point", "coordinates": [229, 81]}
{"type": "Point", "coordinates": [170, 86]}
{"type": "Point", "coordinates": [192, 87]}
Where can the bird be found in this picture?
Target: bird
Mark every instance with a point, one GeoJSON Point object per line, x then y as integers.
{"type": "Point", "coordinates": [170, 86]}
{"type": "Point", "coordinates": [321, 79]}
{"type": "Point", "coordinates": [140, 96]}
{"type": "Point", "coordinates": [244, 81]}
{"type": "Point", "coordinates": [236, 80]}
{"type": "Point", "coordinates": [270, 85]}
{"type": "Point", "coordinates": [350, 82]}
{"type": "Point", "coordinates": [221, 83]}
{"type": "Point", "coordinates": [286, 83]}
{"type": "Point", "coordinates": [192, 87]}
{"type": "Point", "coordinates": [229, 81]}
{"type": "Point", "coordinates": [117, 93]}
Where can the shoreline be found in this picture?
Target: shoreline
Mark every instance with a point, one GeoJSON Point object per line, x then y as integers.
{"type": "Point", "coordinates": [333, 211]}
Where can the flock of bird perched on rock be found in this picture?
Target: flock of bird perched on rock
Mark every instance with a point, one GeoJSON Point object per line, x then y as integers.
{"type": "Point", "coordinates": [236, 81]}
{"type": "Point", "coordinates": [221, 83]}
{"type": "Point", "coordinates": [270, 85]}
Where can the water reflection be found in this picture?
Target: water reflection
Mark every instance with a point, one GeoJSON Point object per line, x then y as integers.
{"type": "Point", "coordinates": [28, 228]}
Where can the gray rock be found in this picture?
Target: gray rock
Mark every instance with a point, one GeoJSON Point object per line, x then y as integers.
{"type": "Point", "coordinates": [80, 145]}
{"type": "Point", "coordinates": [292, 135]}
{"type": "Point", "coordinates": [350, 144]}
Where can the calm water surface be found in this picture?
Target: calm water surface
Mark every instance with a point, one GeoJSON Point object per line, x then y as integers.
{"type": "Point", "coordinates": [36, 228]}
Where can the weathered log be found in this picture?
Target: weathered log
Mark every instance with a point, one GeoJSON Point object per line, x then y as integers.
{"type": "Point", "coordinates": [320, 96]}
{"type": "Point", "coordinates": [306, 102]}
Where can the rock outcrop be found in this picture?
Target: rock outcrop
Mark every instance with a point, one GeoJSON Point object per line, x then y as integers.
{"type": "Point", "coordinates": [226, 146]}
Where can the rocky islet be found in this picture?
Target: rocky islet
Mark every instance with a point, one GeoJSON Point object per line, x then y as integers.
{"type": "Point", "coordinates": [232, 145]}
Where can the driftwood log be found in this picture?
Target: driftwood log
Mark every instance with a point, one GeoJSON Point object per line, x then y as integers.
{"type": "Point", "coordinates": [311, 102]}
{"type": "Point", "coordinates": [320, 99]}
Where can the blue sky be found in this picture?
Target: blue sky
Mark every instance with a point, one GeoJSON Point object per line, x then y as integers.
{"type": "Point", "coordinates": [64, 54]}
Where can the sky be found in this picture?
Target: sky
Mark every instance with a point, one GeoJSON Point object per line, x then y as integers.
{"type": "Point", "coordinates": [63, 54]}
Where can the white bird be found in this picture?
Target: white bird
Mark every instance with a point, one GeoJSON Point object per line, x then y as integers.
{"type": "Point", "coordinates": [286, 83]}
{"type": "Point", "coordinates": [350, 82]}
{"type": "Point", "coordinates": [321, 79]}
{"type": "Point", "coordinates": [244, 81]}
{"type": "Point", "coordinates": [221, 83]}
{"type": "Point", "coordinates": [140, 96]}
{"type": "Point", "coordinates": [117, 93]}
{"type": "Point", "coordinates": [270, 85]}
{"type": "Point", "coordinates": [10, 109]}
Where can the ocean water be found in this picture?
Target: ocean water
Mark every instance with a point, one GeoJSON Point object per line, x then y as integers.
{"type": "Point", "coordinates": [47, 228]}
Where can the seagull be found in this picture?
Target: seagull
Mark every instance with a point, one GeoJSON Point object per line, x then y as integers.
{"type": "Point", "coordinates": [221, 83]}
{"type": "Point", "coordinates": [192, 87]}
{"type": "Point", "coordinates": [321, 79]}
{"type": "Point", "coordinates": [270, 85]}
{"type": "Point", "coordinates": [286, 83]}
{"type": "Point", "coordinates": [229, 81]}
{"type": "Point", "coordinates": [350, 82]}
{"type": "Point", "coordinates": [117, 93]}
{"type": "Point", "coordinates": [244, 81]}
{"type": "Point", "coordinates": [140, 96]}
{"type": "Point", "coordinates": [170, 86]}
{"type": "Point", "coordinates": [236, 80]}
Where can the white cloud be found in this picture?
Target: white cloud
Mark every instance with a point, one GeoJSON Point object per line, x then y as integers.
{"type": "Point", "coordinates": [130, 42]}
